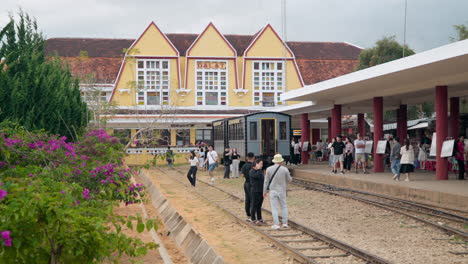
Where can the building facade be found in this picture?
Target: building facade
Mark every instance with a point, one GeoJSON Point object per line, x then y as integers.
{"type": "Point", "coordinates": [175, 85]}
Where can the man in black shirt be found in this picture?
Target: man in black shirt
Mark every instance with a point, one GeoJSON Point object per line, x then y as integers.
{"type": "Point", "coordinates": [245, 171]}
{"type": "Point", "coordinates": [227, 162]}
{"type": "Point", "coordinates": [338, 150]}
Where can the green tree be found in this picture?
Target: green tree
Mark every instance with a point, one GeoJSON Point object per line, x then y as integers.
{"type": "Point", "coordinates": [462, 34]}
{"type": "Point", "coordinates": [35, 91]}
{"type": "Point", "coordinates": [385, 50]}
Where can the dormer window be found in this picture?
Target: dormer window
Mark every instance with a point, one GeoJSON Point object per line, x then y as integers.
{"type": "Point", "coordinates": [268, 83]}
{"type": "Point", "coordinates": [211, 82]}
{"type": "Point", "coordinates": [153, 82]}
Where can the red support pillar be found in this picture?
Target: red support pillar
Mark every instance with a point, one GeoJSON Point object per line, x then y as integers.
{"type": "Point", "coordinates": [315, 135]}
{"type": "Point", "coordinates": [336, 120]}
{"type": "Point", "coordinates": [402, 123]}
{"type": "Point", "coordinates": [361, 124]}
{"type": "Point", "coordinates": [329, 128]}
{"type": "Point", "coordinates": [454, 117]}
{"type": "Point", "coordinates": [378, 132]}
{"type": "Point", "coordinates": [441, 101]}
{"type": "Point", "coordinates": [305, 136]}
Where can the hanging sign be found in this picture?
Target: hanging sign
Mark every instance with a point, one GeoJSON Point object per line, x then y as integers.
{"type": "Point", "coordinates": [381, 146]}
{"type": "Point", "coordinates": [433, 145]}
{"type": "Point", "coordinates": [368, 148]}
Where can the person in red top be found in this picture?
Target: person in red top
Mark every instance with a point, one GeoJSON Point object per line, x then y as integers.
{"type": "Point", "coordinates": [460, 157]}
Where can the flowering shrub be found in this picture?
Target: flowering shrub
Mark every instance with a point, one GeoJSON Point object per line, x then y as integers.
{"type": "Point", "coordinates": [57, 199]}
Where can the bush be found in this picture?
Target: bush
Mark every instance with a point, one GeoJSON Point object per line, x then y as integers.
{"type": "Point", "coordinates": [57, 199]}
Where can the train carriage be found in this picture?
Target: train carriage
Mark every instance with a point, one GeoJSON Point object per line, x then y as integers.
{"type": "Point", "coordinates": [265, 134]}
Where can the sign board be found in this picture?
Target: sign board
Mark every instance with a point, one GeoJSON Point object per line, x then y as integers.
{"type": "Point", "coordinates": [305, 146]}
{"type": "Point", "coordinates": [211, 65]}
{"type": "Point", "coordinates": [297, 132]}
{"type": "Point", "coordinates": [447, 148]}
{"type": "Point", "coordinates": [381, 146]}
{"type": "Point", "coordinates": [433, 145]}
{"type": "Point", "coordinates": [368, 148]}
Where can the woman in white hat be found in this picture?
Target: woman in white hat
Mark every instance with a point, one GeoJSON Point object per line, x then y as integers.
{"type": "Point", "coordinates": [276, 184]}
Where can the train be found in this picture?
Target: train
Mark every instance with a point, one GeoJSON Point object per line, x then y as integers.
{"type": "Point", "coordinates": [264, 134]}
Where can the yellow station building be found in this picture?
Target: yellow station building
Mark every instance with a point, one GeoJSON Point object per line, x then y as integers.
{"type": "Point", "coordinates": [178, 84]}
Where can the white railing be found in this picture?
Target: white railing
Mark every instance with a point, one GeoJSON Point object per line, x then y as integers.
{"type": "Point", "coordinates": [159, 151]}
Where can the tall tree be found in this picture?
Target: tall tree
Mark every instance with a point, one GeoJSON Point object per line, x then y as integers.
{"type": "Point", "coordinates": [37, 92]}
{"type": "Point", "coordinates": [385, 50]}
{"type": "Point", "coordinates": [462, 34]}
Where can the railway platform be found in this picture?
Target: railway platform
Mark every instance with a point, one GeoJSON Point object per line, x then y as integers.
{"type": "Point", "coordinates": [423, 186]}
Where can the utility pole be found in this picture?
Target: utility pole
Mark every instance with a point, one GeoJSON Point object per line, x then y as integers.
{"type": "Point", "coordinates": [404, 30]}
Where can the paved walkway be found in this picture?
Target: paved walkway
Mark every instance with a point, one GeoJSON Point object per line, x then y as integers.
{"type": "Point", "coordinates": [419, 180]}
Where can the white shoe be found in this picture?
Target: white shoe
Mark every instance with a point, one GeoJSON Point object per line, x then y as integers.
{"type": "Point", "coordinates": [407, 179]}
{"type": "Point", "coordinates": [275, 227]}
{"type": "Point", "coordinates": [395, 176]}
{"type": "Point", "coordinates": [284, 226]}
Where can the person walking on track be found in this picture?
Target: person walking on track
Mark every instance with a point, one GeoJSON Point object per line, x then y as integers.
{"type": "Point", "coordinates": [248, 196]}
{"type": "Point", "coordinates": [212, 162]}
{"type": "Point", "coordinates": [235, 159]}
{"type": "Point", "coordinates": [201, 163]}
{"type": "Point", "coordinates": [276, 184]}
{"type": "Point", "coordinates": [256, 189]}
{"type": "Point", "coordinates": [192, 173]}
{"type": "Point", "coordinates": [227, 162]}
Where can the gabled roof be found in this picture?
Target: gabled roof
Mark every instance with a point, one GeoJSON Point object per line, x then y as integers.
{"type": "Point", "coordinates": [317, 61]}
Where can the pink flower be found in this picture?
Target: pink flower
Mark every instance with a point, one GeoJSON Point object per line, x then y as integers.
{"type": "Point", "coordinates": [6, 238]}
{"type": "Point", "coordinates": [85, 194]}
{"type": "Point", "coordinates": [31, 175]}
{"type": "Point", "coordinates": [3, 193]}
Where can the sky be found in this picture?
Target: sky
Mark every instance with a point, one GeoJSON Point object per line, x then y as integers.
{"type": "Point", "coordinates": [359, 22]}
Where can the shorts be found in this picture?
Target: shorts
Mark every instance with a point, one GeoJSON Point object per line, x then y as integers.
{"type": "Point", "coordinates": [338, 158]}
{"type": "Point", "coordinates": [360, 157]}
{"type": "Point", "coordinates": [211, 167]}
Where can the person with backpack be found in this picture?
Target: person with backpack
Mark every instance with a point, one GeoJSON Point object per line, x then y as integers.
{"type": "Point", "coordinates": [276, 184]}
{"type": "Point", "coordinates": [192, 173]}
{"type": "Point", "coordinates": [248, 196]}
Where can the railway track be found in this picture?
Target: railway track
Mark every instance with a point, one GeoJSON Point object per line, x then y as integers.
{"type": "Point", "coordinates": [450, 221]}
{"type": "Point", "coordinates": [302, 243]}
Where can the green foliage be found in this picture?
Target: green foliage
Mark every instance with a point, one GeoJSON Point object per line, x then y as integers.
{"type": "Point", "coordinates": [462, 32]}
{"type": "Point", "coordinates": [60, 198]}
{"type": "Point", "coordinates": [385, 50]}
{"type": "Point", "coordinates": [36, 92]}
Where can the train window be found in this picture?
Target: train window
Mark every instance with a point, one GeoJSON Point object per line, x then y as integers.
{"type": "Point", "coordinates": [253, 130]}
{"type": "Point", "coordinates": [283, 130]}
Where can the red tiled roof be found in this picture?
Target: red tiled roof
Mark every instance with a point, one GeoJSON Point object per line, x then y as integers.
{"type": "Point", "coordinates": [94, 69]}
{"type": "Point", "coordinates": [317, 61]}
{"type": "Point", "coordinates": [314, 71]}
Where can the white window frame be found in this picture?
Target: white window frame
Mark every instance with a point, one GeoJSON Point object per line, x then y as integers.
{"type": "Point", "coordinates": [160, 90]}
{"type": "Point", "coordinates": [204, 90]}
{"type": "Point", "coordinates": [277, 92]}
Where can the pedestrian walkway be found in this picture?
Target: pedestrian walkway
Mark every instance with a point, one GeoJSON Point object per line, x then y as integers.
{"type": "Point", "coordinates": [422, 187]}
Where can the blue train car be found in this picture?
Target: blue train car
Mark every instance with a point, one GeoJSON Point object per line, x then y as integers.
{"type": "Point", "coordinates": [265, 134]}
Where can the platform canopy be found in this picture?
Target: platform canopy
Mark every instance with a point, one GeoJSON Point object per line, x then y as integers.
{"type": "Point", "coordinates": [410, 80]}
